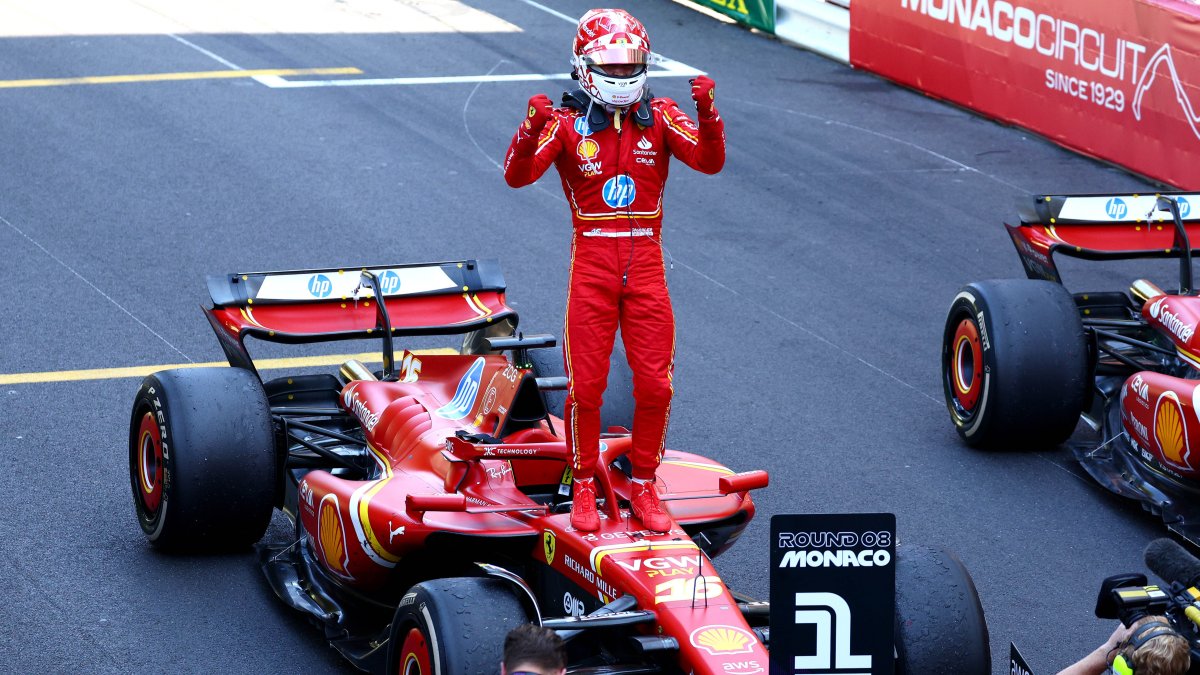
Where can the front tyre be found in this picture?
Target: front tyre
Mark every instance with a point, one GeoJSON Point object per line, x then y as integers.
{"type": "Point", "coordinates": [202, 461]}
{"type": "Point", "coordinates": [453, 626]}
{"type": "Point", "coordinates": [1014, 363]}
{"type": "Point", "coordinates": [940, 627]}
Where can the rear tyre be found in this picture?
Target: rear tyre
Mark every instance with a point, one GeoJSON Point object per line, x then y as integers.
{"type": "Point", "coordinates": [453, 626]}
{"type": "Point", "coordinates": [202, 461]}
{"type": "Point", "coordinates": [940, 627]}
{"type": "Point", "coordinates": [1014, 363]}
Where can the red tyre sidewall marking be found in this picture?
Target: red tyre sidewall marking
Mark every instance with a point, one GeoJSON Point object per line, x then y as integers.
{"type": "Point", "coordinates": [415, 654]}
{"type": "Point", "coordinates": [966, 345]}
{"type": "Point", "coordinates": [150, 464]}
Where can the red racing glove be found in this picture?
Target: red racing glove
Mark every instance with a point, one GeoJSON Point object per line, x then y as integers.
{"type": "Point", "coordinates": [539, 114]}
{"type": "Point", "coordinates": [704, 93]}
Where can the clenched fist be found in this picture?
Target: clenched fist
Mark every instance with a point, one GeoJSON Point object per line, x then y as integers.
{"type": "Point", "coordinates": [704, 93]}
{"type": "Point", "coordinates": [539, 113]}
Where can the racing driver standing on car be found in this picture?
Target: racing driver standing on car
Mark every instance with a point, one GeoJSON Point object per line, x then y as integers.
{"type": "Point", "coordinates": [611, 143]}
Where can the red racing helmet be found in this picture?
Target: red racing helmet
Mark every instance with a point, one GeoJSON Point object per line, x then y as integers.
{"type": "Point", "coordinates": [611, 37]}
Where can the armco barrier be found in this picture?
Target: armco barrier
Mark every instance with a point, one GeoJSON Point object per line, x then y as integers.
{"type": "Point", "coordinates": [1116, 79]}
{"type": "Point", "coordinates": [822, 26]}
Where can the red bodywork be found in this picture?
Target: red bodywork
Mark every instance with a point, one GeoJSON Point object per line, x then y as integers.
{"type": "Point", "coordinates": [1158, 410]}
{"type": "Point", "coordinates": [362, 529]}
{"type": "Point", "coordinates": [431, 482]}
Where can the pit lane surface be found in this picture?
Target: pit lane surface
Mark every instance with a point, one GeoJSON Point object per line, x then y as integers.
{"type": "Point", "coordinates": [810, 282]}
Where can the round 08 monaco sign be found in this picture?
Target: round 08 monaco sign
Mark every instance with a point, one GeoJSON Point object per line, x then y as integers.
{"type": "Point", "coordinates": [833, 593]}
{"type": "Point", "coordinates": [1119, 79]}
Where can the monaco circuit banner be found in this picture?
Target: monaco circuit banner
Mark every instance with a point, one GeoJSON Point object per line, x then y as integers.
{"type": "Point", "coordinates": [1116, 79]}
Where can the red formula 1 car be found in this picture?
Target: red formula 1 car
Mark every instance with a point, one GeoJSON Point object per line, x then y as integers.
{"type": "Point", "coordinates": [431, 499]}
{"type": "Point", "coordinates": [1023, 361]}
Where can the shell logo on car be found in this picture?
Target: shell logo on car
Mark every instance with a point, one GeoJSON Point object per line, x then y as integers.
{"type": "Point", "coordinates": [331, 535]}
{"type": "Point", "coordinates": [1169, 429]}
{"type": "Point", "coordinates": [723, 640]}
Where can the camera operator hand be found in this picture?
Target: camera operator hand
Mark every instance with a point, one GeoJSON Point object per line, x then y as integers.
{"type": "Point", "coordinates": [1100, 658]}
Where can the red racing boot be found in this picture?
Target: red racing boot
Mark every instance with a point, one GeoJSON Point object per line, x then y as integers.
{"type": "Point", "coordinates": [646, 507]}
{"type": "Point", "coordinates": [583, 509]}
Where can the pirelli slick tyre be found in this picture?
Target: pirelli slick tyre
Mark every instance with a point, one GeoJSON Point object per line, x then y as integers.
{"type": "Point", "coordinates": [940, 627]}
{"type": "Point", "coordinates": [453, 626]}
{"type": "Point", "coordinates": [1014, 363]}
{"type": "Point", "coordinates": [617, 410]}
{"type": "Point", "coordinates": [202, 461]}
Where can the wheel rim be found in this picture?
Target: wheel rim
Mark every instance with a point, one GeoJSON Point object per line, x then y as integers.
{"type": "Point", "coordinates": [150, 464]}
{"type": "Point", "coordinates": [966, 367]}
{"type": "Point", "coordinates": [414, 654]}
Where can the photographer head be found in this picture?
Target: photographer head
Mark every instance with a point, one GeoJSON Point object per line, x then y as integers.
{"type": "Point", "coordinates": [1148, 647]}
{"type": "Point", "coordinates": [1152, 648]}
{"type": "Point", "coordinates": [530, 649]}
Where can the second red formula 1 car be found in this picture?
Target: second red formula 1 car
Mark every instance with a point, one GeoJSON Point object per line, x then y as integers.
{"type": "Point", "coordinates": [431, 499]}
{"type": "Point", "coordinates": [1023, 361]}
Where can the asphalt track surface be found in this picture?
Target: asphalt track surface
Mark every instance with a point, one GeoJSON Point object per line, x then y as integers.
{"type": "Point", "coordinates": [810, 282]}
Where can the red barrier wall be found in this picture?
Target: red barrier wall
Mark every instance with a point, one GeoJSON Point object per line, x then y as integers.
{"type": "Point", "coordinates": [1117, 79]}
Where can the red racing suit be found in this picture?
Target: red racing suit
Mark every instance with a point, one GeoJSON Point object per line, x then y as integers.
{"type": "Point", "coordinates": [613, 169]}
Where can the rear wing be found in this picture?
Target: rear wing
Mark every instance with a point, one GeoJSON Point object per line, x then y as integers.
{"type": "Point", "coordinates": [322, 305]}
{"type": "Point", "coordinates": [1104, 227]}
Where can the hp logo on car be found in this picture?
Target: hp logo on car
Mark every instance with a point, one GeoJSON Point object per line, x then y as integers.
{"type": "Point", "coordinates": [1116, 208]}
{"type": "Point", "coordinates": [389, 282]}
{"type": "Point", "coordinates": [1184, 207]}
{"type": "Point", "coordinates": [320, 286]}
{"type": "Point", "coordinates": [619, 191]}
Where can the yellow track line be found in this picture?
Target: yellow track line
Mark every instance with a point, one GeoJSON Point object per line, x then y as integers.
{"type": "Point", "coordinates": [142, 371]}
{"type": "Point", "coordinates": [173, 77]}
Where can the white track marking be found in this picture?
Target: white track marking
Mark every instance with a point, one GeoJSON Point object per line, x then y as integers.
{"type": "Point", "coordinates": [215, 57]}
{"type": "Point", "coordinates": [552, 12]}
{"type": "Point", "coordinates": [804, 330]}
{"type": "Point", "coordinates": [893, 139]}
{"type": "Point", "coordinates": [671, 68]}
{"type": "Point", "coordinates": [94, 287]}
{"type": "Point", "coordinates": [276, 82]}
{"type": "Point", "coordinates": [467, 127]}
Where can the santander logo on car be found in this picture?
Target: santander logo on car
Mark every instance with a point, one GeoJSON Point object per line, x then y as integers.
{"type": "Point", "coordinates": [1172, 321]}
